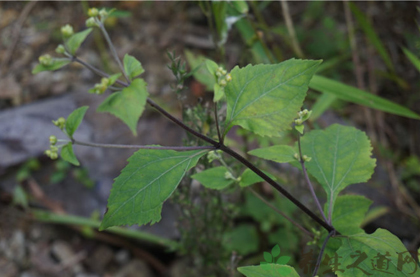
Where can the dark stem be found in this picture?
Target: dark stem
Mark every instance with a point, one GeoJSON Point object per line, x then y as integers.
{"type": "Point", "coordinates": [177, 148]}
{"type": "Point", "coordinates": [318, 262]}
{"type": "Point", "coordinates": [274, 208]}
{"type": "Point", "coordinates": [308, 181]}
{"type": "Point", "coordinates": [217, 124]}
{"type": "Point", "coordinates": [276, 186]}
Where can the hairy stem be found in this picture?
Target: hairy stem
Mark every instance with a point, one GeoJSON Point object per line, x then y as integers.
{"type": "Point", "coordinates": [318, 262]}
{"type": "Point", "coordinates": [113, 51]}
{"type": "Point", "coordinates": [274, 208]}
{"type": "Point", "coordinates": [177, 148]}
{"type": "Point", "coordinates": [308, 181]}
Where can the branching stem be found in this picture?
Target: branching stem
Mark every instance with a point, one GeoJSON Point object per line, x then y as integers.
{"type": "Point", "coordinates": [321, 252]}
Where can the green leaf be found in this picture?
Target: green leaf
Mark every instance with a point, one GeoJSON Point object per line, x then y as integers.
{"type": "Point", "coordinates": [373, 214]}
{"type": "Point", "coordinates": [267, 257]}
{"type": "Point", "coordinates": [300, 128]}
{"type": "Point", "coordinates": [127, 104]}
{"type": "Point", "coordinates": [219, 92]}
{"type": "Point", "coordinates": [277, 153]}
{"type": "Point", "coordinates": [372, 36]}
{"type": "Point", "coordinates": [249, 177]}
{"type": "Point", "coordinates": [213, 178]}
{"type": "Point", "coordinates": [349, 213]}
{"type": "Point", "coordinates": [275, 251]}
{"type": "Point", "coordinates": [200, 72]}
{"type": "Point", "coordinates": [370, 247]}
{"type": "Point", "coordinates": [132, 67]}
{"type": "Point", "coordinates": [74, 119]}
{"type": "Point", "coordinates": [74, 42]}
{"type": "Point", "coordinates": [283, 260]}
{"type": "Point", "coordinates": [150, 177]}
{"type": "Point", "coordinates": [211, 67]}
{"type": "Point", "coordinates": [240, 6]}
{"type": "Point", "coordinates": [413, 58]}
{"type": "Point", "coordinates": [56, 64]}
{"type": "Point", "coordinates": [234, 240]}
{"type": "Point", "coordinates": [340, 157]}
{"type": "Point", "coordinates": [358, 96]}
{"type": "Point", "coordinates": [68, 155]}
{"type": "Point", "coordinates": [113, 78]}
{"type": "Point", "coordinates": [268, 270]}
{"type": "Point", "coordinates": [19, 197]}
{"type": "Point", "coordinates": [266, 98]}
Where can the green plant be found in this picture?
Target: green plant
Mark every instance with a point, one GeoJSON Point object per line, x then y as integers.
{"type": "Point", "coordinates": [265, 100]}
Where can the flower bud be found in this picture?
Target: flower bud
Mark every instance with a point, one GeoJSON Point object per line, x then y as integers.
{"type": "Point", "coordinates": [296, 155]}
{"type": "Point", "coordinates": [53, 140]}
{"type": "Point", "coordinates": [45, 60]}
{"type": "Point", "coordinates": [93, 12]}
{"type": "Point", "coordinates": [105, 81]}
{"type": "Point", "coordinates": [298, 121]}
{"type": "Point", "coordinates": [67, 31]}
{"type": "Point", "coordinates": [228, 77]}
{"type": "Point", "coordinates": [222, 83]}
{"type": "Point", "coordinates": [48, 152]}
{"type": "Point", "coordinates": [306, 158]}
{"type": "Point", "coordinates": [103, 13]}
{"type": "Point", "coordinates": [53, 155]}
{"type": "Point", "coordinates": [91, 22]}
{"type": "Point", "coordinates": [60, 49]}
{"type": "Point", "coordinates": [229, 175]}
{"type": "Point", "coordinates": [53, 149]}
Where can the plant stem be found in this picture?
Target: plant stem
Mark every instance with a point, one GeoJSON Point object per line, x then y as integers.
{"type": "Point", "coordinates": [308, 181]}
{"type": "Point", "coordinates": [217, 123]}
{"type": "Point", "coordinates": [178, 148]}
{"type": "Point", "coordinates": [274, 184]}
{"type": "Point", "coordinates": [291, 29]}
{"type": "Point", "coordinates": [113, 51]}
{"type": "Point", "coordinates": [318, 262]}
{"type": "Point", "coordinates": [274, 208]}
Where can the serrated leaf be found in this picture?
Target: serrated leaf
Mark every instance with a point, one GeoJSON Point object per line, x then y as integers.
{"type": "Point", "coordinates": [340, 157]}
{"type": "Point", "coordinates": [249, 177]}
{"type": "Point", "coordinates": [150, 177]}
{"type": "Point", "coordinates": [349, 213]}
{"type": "Point", "coordinates": [275, 251]}
{"type": "Point", "coordinates": [277, 153]}
{"type": "Point", "coordinates": [270, 270]}
{"type": "Point", "coordinates": [213, 178]}
{"type": "Point", "coordinates": [354, 95]}
{"type": "Point", "coordinates": [74, 119]}
{"type": "Point", "coordinates": [265, 98]}
{"type": "Point", "coordinates": [370, 247]}
{"type": "Point", "coordinates": [68, 155]}
{"type": "Point", "coordinates": [127, 104]}
{"type": "Point", "coordinates": [56, 64]}
{"type": "Point", "coordinates": [283, 260]}
{"type": "Point", "coordinates": [267, 257]}
{"type": "Point", "coordinates": [234, 240]}
{"type": "Point", "coordinates": [74, 42]}
{"type": "Point", "coordinates": [132, 67]}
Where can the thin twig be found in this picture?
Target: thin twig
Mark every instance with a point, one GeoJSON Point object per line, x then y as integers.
{"type": "Point", "coordinates": [291, 29]}
{"type": "Point", "coordinates": [113, 51]}
{"type": "Point", "coordinates": [311, 187]}
{"type": "Point", "coordinates": [217, 123]}
{"type": "Point", "coordinates": [274, 208]}
{"type": "Point", "coordinates": [124, 146]}
{"type": "Point", "coordinates": [321, 252]}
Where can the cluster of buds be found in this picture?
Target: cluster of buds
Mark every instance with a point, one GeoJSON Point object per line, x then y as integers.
{"type": "Point", "coordinates": [45, 60]}
{"type": "Point", "coordinates": [302, 117]}
{"type": "Point", "coordinates": [67, 31]}
{"type": "Point", "coordinates": [101, 87]}
{"type": "Point", "coordinates": [53, 151]}
{"type": "Point", "coordinates": [317, 236]}
{"type": "Point", "coordinates": [60, 123]}
{"type": "Point", "coordinates": [223, 77]}
{"type": "Point", "coordinates": [213, 155]}
{"type": "Point", "coordinates": [304, 158]}
{"type": "Point", "coordinates": [93, 20]}
{"type": "Point", "coordinates": [229, 176]}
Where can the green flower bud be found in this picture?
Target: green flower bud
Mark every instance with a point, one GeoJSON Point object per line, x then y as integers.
{"type": "Point", "coordinates": [105, 81]}
{"type": "Point", "coordinates": [222, 83]}
{"type": "Point", "coordinates": [53, 140]}
{"type": "Point", "coordinates": [229, 175]}
{"type": "Point", "coordinates": [67, 31]}
{"type": "Point", "coordinates": [224, 72]}
{"type": "Point", "coordinates": [306, 158]}
{"type": "Point", "coordinates": [305, 112]}
{"type": "Point", "coordinates": [54, 149]}
{"type": "Point", "coordinates": [298, 121]}
{"type": "Point", "coordinates": [54, 156]}
{"type": "Point", "coordinates": [91, 22]}
{"type": "Point", "coordinates": [60, 122]}
{"type": "Point", "coordinates": [103, 13]}
{"type": "Point", "coordinates": [93, 12]}
{"type": "Point", "coordinates": [48, 153]}
{"type": "Point", "coordinates": [218, 73]}
{"type": "Point", "coordinates": [229, 77]}
{"type": "Point", "coordinates": [45, 60]}
{"type": "Point", "coordinates": [60, 49]}
{"type": "Point", "coordinates": [296, 156]}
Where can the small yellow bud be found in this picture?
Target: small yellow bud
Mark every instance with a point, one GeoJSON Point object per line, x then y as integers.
{"type": "Point", "coordinates": [60, 49]}
{"type": "Point", "coordinates": [298, 121]}
{"type": "Point", "coordinates": [229, 77]}
{"type": "Point", "coordinates": [48, 152]}
{"type": "Point", "coordinates": [45, 60]}
{"type": "Point", "coordinates": [93, 12]}
{"type": "Point", "coordinates": [54, 156]}
{"type": "Point", "coordinates": [53, 140]}
{"type": "Point", "coordinates": [222, 83]}
{"type": "Point", "coordinates": [91, 22]}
